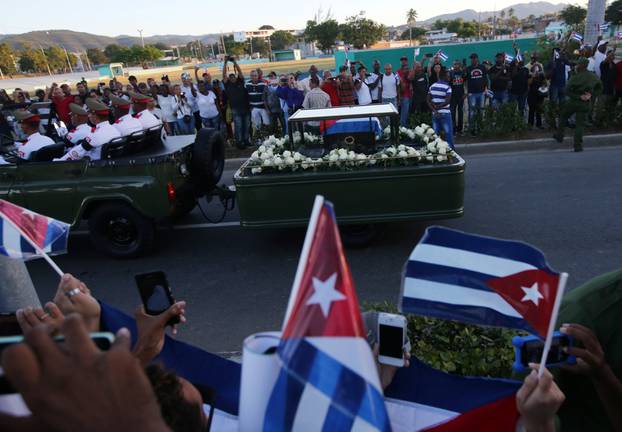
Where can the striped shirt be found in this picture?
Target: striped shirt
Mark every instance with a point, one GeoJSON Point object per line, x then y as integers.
{"type": "Point", "coordinates": [439, 91]}
{"type": "Point", "coordinates": [255, 93]}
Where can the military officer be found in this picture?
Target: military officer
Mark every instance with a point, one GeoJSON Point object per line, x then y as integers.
{"type": "Point", "coordinates": [581, 89]}
{"type": "Point", "coordinates": [101, 134]}
{"type": "Point", "coordinates": [126, 124]}
{"type": "Point", "coordinates": [79, 118]}
{"type": "Point", "coordinates": [139, 106]}
{"type": "Point", "coordinates": [29, 124]}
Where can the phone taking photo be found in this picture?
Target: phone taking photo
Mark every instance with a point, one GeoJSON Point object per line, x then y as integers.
{"type": "Point", "coordinates": [528, 349]}
{"type": "Point", "coordinates": [155, 293]}
{"type": "Point", "coordinates": [391, 332]}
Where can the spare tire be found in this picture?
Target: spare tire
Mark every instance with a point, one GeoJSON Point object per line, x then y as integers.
{"type": "Point", "coordinates": [208, 160]}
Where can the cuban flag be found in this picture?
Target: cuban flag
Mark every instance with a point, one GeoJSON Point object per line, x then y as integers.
{"type": "Point", "coordinates": [509, 58]}
{"type": "Point", "coordinates": [576, 36]}
{"type": "Point", "coordinates": [328, 378]}
{"type": "Point", "coordinates": [519, 57]}
{"type": "Point", "coordinates": [604, 26]}
{"type": "Point", "coordinates": [481, 280]}
{"type": "Point", "coordinates": [444, 57]}
{"type": "Point", "coordinates": [619, 35]}
{"type": "Point", "coordinates": [21, 230]}
{"type": "Point", "coordinates": [355, 125]}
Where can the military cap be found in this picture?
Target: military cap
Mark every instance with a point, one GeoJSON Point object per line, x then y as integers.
{"type": "Point", "coordinates": [22, 115]}
{"type": "Point", "coordinates": [140, 98]}
{"type": "Point", "coordinates": [97, 107]}
{"type": "Point", "coordinates": [77, 109]}
{"type": "Point", "coordinates": [119, 102]}
{"type": "Point", "coordinates": [583, 61]}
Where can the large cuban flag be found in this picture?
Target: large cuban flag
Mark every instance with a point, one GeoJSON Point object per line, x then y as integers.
{"type": "Point", "coordinates": [480, 280]}
{"type": "Point", "coordinates": [20, 228]}
{"type": "Point", "coordinates": [328, 378]}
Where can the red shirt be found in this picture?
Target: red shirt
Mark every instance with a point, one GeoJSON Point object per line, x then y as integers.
{"type": "Point", "coordinates": [618, 69]}
{"type": "Point", "coordinates": [62, 108]}
{"type": "Point", "coordinates": [330, 89]}
{"type": "Point", "coordinates": [405, 82]}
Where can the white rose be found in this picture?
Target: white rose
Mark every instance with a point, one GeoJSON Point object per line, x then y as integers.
{"type": "Point", "coordinates": [361, 156]}
{"type": "Point", "coordinates": [287, 154]}
{"type": "Point", "coordinates": [430, 158]}
{"type": "Point", "coordinates": [343, 157]}
{"type": "Point", "coordinates": [255, 155]}
{"type": "Point", "coordinates": [333, 158]}
{"type": "Point", "coordinates": [297, 157]}
{"type": "Point", "coordinates": [431, 146]}
{"type": "Point", "coordinates": [384, 156]}
{"type": "Point", "coordinates": [401, 147]}
{"type": "Point", "coordinates": [342, 151]}
{"type": "Point", "coordinates": [442, 150]}
{"type": "Point", "coordinates": [278, 161]}
{"type": "Point", "coordinates": [402, 154]}
{"type": "Point", "coordinates": [264, 156]}
{"type": "Point", "coordinates": [270, 153]}
{"type": "Point", "coordinates": [419, 130]}
{"type": "Point", "coordinates": [256, 170]}
{"type": "Point", "coordinates": [424, 126]}
{"type": "Point", "coordinates": [391, 151]}
{"type": "Point", "coordinates": [430, 132]}
{"type": "Point", "coordinates": [262, 148]}
{"type": "Point", "coordinates": [289, 160]}
{"type": "Point", "coordinates": [372, 161]}
{"type": "Point", "coordinates": [304, 165]}
{"type": "Point", "coordinates": [441, 158]}
{"type": "Point", "coordinates": [426, 139]}
{"type": "Point", "coordinates": [267, 163]}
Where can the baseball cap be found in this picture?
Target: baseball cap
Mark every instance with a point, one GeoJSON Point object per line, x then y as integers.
{"type": "Point", "coordinates": [185, 75]}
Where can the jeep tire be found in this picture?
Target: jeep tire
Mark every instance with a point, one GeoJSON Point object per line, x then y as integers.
{"type": "Point", "coordinates": [208, 160]}
{"type": "Point", "coordinates": [119, 231]}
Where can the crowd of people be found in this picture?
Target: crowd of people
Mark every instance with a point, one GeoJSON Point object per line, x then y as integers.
{"type": "Point", "coordinates": [126, 388]}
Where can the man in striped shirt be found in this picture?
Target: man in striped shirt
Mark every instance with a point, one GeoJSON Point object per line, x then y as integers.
{"type": "Point", "coordinates": [255, 89]}
{"type": "Point", "coordinates": [439, 98]}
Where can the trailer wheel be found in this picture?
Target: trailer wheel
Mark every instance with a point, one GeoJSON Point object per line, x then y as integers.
{"type": "Point", "coordinates": [208, 160]}
{"type": "Point", "coordinates": [357, 236]}
{"type": "Point", "coordinates": [119, 231]}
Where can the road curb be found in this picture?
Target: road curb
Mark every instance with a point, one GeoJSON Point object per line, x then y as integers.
{"type": "Point", "coordinates": [605, 140]}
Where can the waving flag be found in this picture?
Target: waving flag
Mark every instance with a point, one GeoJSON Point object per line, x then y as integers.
{"type": "Point", "coordinates": [509, 58]}
{"type": "Point", "coordinates": [576, 36]}
{"type": "Point", "coordinates": [519, 57]}
{"type": "Point", "coordinates": [604, 26]}
{"type": "Point", "coordinates": [21, 230]}
{"type": "Point", "coordinates": [480, 280]}
{"type": "Point", "coordinates": [444, 57]}
{"type": "Point", "coordinates": [328, 378]}
{"type": "Point", "coordinates": [619, 35]}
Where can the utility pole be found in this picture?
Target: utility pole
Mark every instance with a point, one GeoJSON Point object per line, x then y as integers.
{"type": "Point", "coordinates": [67, 57]}
{"type": "Point", "coordinates": [88, 62]}
{"type": "Point", "coordinates": [142, 40]}
{"type": "Point", "coordinates": [270, 48]}
{"type": "Point", "coordinates": [46, 60]}
{"type": "Point", "coordinates": [595, 17]}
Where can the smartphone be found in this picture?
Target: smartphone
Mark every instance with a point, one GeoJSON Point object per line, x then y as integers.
{"type": "Point", "coordinates": [103, 341]}
{"type": "Point", "coordinates": [391, 331]}
{"type": "Point", "coordinates": [156, 293]}
{"type": "Point", "coordinates": [528, 349]}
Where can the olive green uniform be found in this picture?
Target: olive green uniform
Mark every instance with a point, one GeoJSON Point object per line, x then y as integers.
{"type": "Point", "coordinates": [596, 305]}
{"type": "Point", "coordinates": [579, 83]}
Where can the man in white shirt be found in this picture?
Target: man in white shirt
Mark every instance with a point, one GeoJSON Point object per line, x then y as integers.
{"type": "Point", "coordinates": [599, 55]}
{"type": "Point", "coordinates": [167, 104]}
{"type": "Point", "coordinates": [125, 123]}
{"type": "Point", "coordinates": [389, 86]}
{"type": "Point", "coordinates": [304, 84]}
{"type": "Point", "coordinates": [29, 124]}
{"type": "Point", "coordinates": [361, 85]}
{"type": "Point", "coordinates": [140, 104]}
{"type": "Point", "coordinates": [79, 118]}
{"type": "Point", "coordinates": [101, 134]}
{"type": "Point", "coordinates": [191, 93]}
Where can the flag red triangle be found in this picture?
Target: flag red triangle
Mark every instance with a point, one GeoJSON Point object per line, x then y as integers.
{"type": "Point", "coordinates": [32, 224]}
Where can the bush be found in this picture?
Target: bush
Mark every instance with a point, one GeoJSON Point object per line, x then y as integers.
{"type": "Point", "coordinates": [458, 348]}
{"type": "Point", "coordinates": [502, 122]}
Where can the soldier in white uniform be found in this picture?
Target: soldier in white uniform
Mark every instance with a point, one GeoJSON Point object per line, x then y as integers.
{"type": "Point", "coordinates": [29, 124]}
{"type": "Point", "coordinates": [139, 106]}
{"type": "Point", "coordinates": [101, 134]}
{"type": "Point", "coordinates": [79, 118]}
{"type": "Point", "coordinates": [126, 124]}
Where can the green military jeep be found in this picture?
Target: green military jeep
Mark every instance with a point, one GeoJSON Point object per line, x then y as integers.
{"type": "Point", "coordinates": [141, 180]}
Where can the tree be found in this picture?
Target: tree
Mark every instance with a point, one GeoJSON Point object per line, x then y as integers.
{"type": "Point", "coordinates": [411, 17]}
{"type": "Point", "coordinates": [573, 15]}
{"type": "Point", "coordinates": [281, 39]}
{"type": "Point", "coordinates": [324, 33]}
{"type": "Point", "coordinates": [439, 24]}
{"type": "Point", "coordinates": [613, 14]}
{"type": "Point", "coordinates": [511, 12]}
{"type": "Point", "coordinates": [412, 33]}
{"type": "Point", "coordinates": [32, 60]}
{"type": "Point", "coordinates": [260, 45]}
{"type": "Point", "coordinates": [455, 25]}
{"type": "Point", "coordinates": [502, 14]}
{"type": "Point", "coordinates": [232, 47]}
{"type": "Point", "coordinates": [162, 46]}
{"type": "Point", "coordinates": [116, 53]}
{"type": "Point", "coordinates": [266, 27]}
{"type": "Point", "coordinates": [468, 29]}
{"type": "Point", "coordinates": [7, 64]}
{"type": "Point", "coordinates": [362, 32]}
{"type": "Point", "coordinates": [97, 56]}
{"type": "Point", "coordinates": [57, 59]}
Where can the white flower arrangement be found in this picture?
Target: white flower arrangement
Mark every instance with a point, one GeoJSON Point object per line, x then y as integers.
{"type": "Point", "coordinates": [272, 153]}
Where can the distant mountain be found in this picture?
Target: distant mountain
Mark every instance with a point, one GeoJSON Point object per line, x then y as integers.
{"type": "Point", "coordinates": [80, 41]}
{"type": "Point", "coordinates": [521, 10]}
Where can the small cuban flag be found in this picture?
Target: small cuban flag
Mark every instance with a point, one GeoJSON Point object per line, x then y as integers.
{"type": "Point", "coordinates": [556, 54]}
{"type": "Point", "coordinates": [619, 35]}
{"type": "Point", "coordinates": [519, 57]}
{"type": "Point", "coordinates": [490, 94]}
{"type": "Point", "coordinates": [444, 57]}
{"type": "Point", "coordinates": [328, 379]}
{"type": "Point", "coordinates": [576, 36]}
{"type": "Point", "coordinates": [509, 58]}
{"type": "Point", "coordinates": [604, 26]}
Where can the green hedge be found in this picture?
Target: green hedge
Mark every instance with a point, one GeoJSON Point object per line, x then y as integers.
{"type": "Point", "coordinates": [458, 348]}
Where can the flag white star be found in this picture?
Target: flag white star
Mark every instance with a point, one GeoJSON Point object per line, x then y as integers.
{"type": "Point", "coordinates": [532, 294]}
{"type": "Point", "coordinates": [325, 293]}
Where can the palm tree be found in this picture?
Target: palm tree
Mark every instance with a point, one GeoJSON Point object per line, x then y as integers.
{"type": "Point", "coordinates": [511, 12]}
{"type": "Point", "coordinates": [411, 17]}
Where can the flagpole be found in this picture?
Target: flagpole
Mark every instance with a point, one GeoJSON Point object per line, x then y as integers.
{"type": "Point", "coordinates": [40, 252]}
{"type": "Point", "coordinates": [304, 255]}
{"type": "Point", "coordinates": [561, 287]}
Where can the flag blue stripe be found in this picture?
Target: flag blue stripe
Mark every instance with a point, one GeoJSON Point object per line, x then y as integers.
{"type": "Point", "coordinates": [57, 235]}
{"type": "Point", "coordinates": [302, 361]}
{"type": "Point", "coordinates": [337, 420]}
{"type": "Point", "coordinates": [517, 251]}
{"type": "Point", "coordinates": [467, 314]}
{"type": "Point", "coordinates": [26, 248]}
{"type": "Point", "coordinates": [448, 275]}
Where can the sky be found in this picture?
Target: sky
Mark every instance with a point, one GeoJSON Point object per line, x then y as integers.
{"type": "Point", "coordinates": [197, 17]}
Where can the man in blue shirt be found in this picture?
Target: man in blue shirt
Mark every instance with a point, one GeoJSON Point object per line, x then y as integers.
{"type": "Point", "coordinates": [439, 98]}
{"type": "Point", "coordinates": [556, 73]}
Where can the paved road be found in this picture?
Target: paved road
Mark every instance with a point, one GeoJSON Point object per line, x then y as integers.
{"type": "Point", "coordinates": [237, 282]}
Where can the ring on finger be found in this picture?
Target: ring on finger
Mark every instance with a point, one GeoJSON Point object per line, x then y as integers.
{"type": "Point", "coordinates": [72, 292]}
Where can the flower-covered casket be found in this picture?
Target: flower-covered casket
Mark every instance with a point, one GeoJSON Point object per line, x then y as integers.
{"type": "Point", "coordinates": [396, 174]}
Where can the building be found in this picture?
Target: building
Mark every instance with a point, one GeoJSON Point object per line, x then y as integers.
{"type": "Point", "coordinates": [556, 28]}
{"type": "Point", "coordinates": [440, 36]}
{"type": "Point", "coordinates": [263, 33]}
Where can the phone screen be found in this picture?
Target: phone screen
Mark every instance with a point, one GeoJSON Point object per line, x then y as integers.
{"type": "Point", "coordinates": [155, 292]}
{"type": "Point", "coordinates": [391, 341]}
{"type": "Point", "coordinates": [532, 351]}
